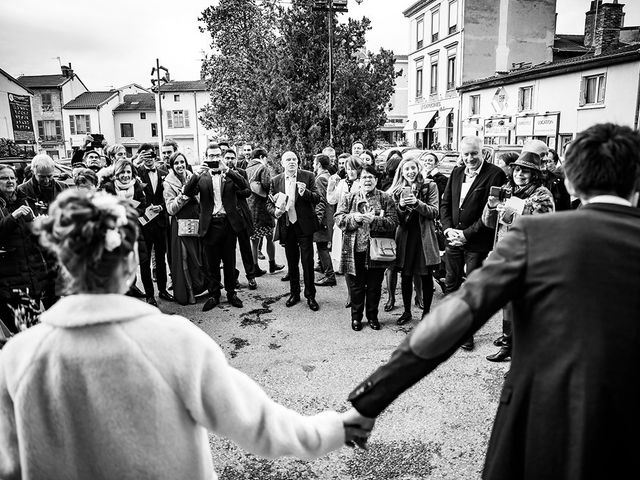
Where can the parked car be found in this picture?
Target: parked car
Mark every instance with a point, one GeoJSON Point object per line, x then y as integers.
{"type": "Point", "coordinates": [496, 151]}
{"type": "Point", "coordinates": [447, 160]}
{"type": "Point", "coordinates": [63, 173]}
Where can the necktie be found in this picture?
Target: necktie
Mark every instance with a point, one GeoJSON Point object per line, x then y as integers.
{"type": "Point", "coordinates": [291, 212]}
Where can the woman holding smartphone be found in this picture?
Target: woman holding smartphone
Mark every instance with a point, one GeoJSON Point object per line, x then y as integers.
{"type": "Point", "coordinates": [417, 253]}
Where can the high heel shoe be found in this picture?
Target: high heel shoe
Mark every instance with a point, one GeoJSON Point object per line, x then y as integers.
{"type": "Point", "coordinates": [390, 305]}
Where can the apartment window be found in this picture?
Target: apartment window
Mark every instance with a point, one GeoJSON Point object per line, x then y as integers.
{"type": "Point", "coordinates": [176, 98]}
{"type": "Point", "coordinates": [143, 115]}
{"type": "Point", "coordinates": [126, 130]}
{"type": "Point", "coordinates": [47, 106]}
{"type": "Point", "coordinates": [154, 129]}
{"type": "Point", "coordinates": [420, 33]}
{"type": "Point", "coordinates": [419, 67]}
{"type": "Point", "coordinates": [525, 98]}
{"type": "Point", "coordinates": [592, 89]}
{"type": "Point", "coordinates": [79, 124]}
{"type": "Point", "coordinates": [435, 25]}
{"type": "Point", "coordinates": [453, 16]}
{"type": "Point", "coordinates": [50, 130]}
{"type": "Point", "coordinates": [474, 105]}
{"type": "Point", "coordinates": [451, 73]}
{"type": "Point", "coordinates": [178, 118]}
{"type": "Point", "coordinates": [434, 77]}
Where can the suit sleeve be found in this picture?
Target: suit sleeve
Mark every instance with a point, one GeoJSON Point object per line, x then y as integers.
{"type": "Point", "coordinates": [310, 194]}
{"type": "Point", "coordinates": [497, 180]}
{"type": "Point", "coordinates": [441, 332]}
{"type": "Point", "coordinates": [321, 206]}
{"type": "Point", "coordinates": [191, 188]}
{"type": "Point", "coordinates": [271, 207]}
{"type": "Point", "coordinates": [445, 207]}
{"type": "Point", "coordinates": [241, 184]}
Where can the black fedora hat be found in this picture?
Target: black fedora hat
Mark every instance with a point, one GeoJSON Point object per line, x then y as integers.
{"type": "Point", "coordinates": [528, 160]}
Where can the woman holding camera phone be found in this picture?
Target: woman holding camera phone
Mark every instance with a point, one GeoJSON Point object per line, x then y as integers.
{"type": "Point", "coordinates": [530, 197]}
{"type": "Point", "coordinates": [417, 245]}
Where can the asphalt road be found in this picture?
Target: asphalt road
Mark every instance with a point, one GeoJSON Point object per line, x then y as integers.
{"type": "Point", "coordinates": [311, 361]}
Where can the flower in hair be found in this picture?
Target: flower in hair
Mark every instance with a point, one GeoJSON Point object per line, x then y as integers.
{"type": "Point", "coordinates": [110, 204]}
{"type": "Point", "coordinates": [112, 239]}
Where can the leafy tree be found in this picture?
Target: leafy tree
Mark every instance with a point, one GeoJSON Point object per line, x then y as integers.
{"type": "Point", "coordinates": [268, 76]}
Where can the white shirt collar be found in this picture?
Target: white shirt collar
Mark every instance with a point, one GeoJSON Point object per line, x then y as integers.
{"type": "Point", "coordinates": [608, 199]}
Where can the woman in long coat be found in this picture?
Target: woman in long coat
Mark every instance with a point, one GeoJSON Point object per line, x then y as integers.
{"type": "Point", "coordinates": [186, 251]}
{"type": "Point", "coordinates": [417, 245]}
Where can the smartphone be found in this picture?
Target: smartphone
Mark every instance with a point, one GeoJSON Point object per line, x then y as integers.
{"type": "Point", "coordinates": [406, 192]}
{"type": "Point", "coordinates": [97, 140]}
{"type": "Point", "coordinates": [212, 163]}
{"type": "Point", "coordinates": [495, 192]}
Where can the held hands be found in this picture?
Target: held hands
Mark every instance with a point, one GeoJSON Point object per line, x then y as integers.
{"type": "Point", "coordinates": [357, 428]}
{"type": "Point", "coordinates": [455, 237]}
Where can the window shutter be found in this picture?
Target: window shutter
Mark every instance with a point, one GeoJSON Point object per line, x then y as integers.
{"type": "Point", "coordinates": [88, 118]}
{"type": "Point", "coordinates": [583, 92]}
{"type": "Point", "coordinates": [520, 99]}
{"type": "Point", "coordinates": [72, 125]}
{"type": "Point", "coordinates": [601, 88]}
{"type": "Point", "coordinates": [59, 128]}
{"type": "Point", "coordinates": [186, 119]}
{"type": "Point", "coordinates": [169, 119]}
{"type": "Point", "coordinates": [41, 128]}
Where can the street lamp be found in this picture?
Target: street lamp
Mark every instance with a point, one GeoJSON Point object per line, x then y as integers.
{"type": "Point", "coordinates": [157, 82]}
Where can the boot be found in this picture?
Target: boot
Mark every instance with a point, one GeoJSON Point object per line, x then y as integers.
{"type": "Point", "coordinates": [502, 355]}
{"type": "Point", "coordinates": [274, 267]}
{"type": "Point", "coordinates": [258, 272]}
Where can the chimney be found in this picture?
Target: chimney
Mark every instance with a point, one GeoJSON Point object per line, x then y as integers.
{"type": "Point", "coordinates": [590, 22]}
{"type": "Point", "coordinates": [67, 71]}
{"type": "Point", "coordinates": [609, 21]}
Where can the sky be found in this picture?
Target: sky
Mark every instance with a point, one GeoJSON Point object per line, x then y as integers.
{"type": "Point", "coordinates": [115, 43]}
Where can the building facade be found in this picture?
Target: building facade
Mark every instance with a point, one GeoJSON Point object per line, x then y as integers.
{"type": "Point", "coordinates": [135, 121]}
{"type": "Point", "coordinates": [178, 110]}
{"type": "Point", "coordinates": [90, 113]}
{"type": "Point", "coordinates": [455, 40]}
{"type": "Point", "coordinates": [51, 93]}
{"type": "Point", "coordinates": [392, 131]}
{"type": "Point", "coordinates": [554, 101]}
{"type": "Point", "coordinates": [16, 113]}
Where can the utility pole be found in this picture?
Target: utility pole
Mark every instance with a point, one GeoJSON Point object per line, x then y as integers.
{"type": "Point", "coordinates": [330, 6]}
{"type": "Point", "coordinates": [157, 82]}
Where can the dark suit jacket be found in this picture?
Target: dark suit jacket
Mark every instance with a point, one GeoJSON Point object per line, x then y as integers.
{"type": "Point", "coordinates": [571, 394]}
{"type": "Point", "coordinates": [468, 216]}
{"type": "Point", "coordinates": [305, 210]}
{"type": "Point", "coordinates": [155, 197]}
{"type": "Point", "coordinates": [233, 186]}
{"type": "Point", "coordinates": [324, 210]}
{"type": "Point", "coordinates": [245, 211]}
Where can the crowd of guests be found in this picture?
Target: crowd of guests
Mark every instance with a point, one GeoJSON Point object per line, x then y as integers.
{"type": "Point", "coordinates": [399, 217]}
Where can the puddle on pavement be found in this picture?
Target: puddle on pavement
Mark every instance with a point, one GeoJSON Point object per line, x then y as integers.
{"type": "Point", "coordinates": [237, 343]}
{"type": "Point", "coordinates": [255, 316]}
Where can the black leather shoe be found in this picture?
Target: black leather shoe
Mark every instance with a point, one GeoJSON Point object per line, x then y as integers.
{"type": "Point", "coordinates": [404, 318]}
{"type": "Point", "coordinates": [257, 271]}
{"type": "Point", "coordinates": [235, 301]}
{"type": "Point", "coordinates": [374, 324]}
{"type": "Point", "coordinates": [313, 305]}
{"type": "Point", "coordinates": [252, 283]}
{"type": "Point", "coordinates": [135, 292]}
{"type": "Point", "coordinates": [500, 341]}
{"type": "Point", "coordinates": [285, 278]}
{"type": "Point", "coordinates": [502, 355]}
{"type": "Point", "coordinates": [326, 282]}
{"type": "Point", "coordinates": [211, 302]}
{"type": "Point", "coordinates": [274, 267]}
{"type": "Point", "coordinates": [164, 295]}
{"type": "Point", "coordinates": [151, 301]}
{"type": "Point", "coordinates": [356, 325]}
{"type": "Point", "coordinates": [293, 299]}
{"type": "Point", "coordinates": [468, 345]}
{"type": "Point", "coordinates": [390, 305]}
{"type": "Point", "coordinates": [441, 284]}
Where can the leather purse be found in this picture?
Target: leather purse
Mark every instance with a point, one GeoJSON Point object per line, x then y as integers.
{"type": "Point", "coordinates": [188, 227]}
{"type": "Point", "coordinates": [382, 249]}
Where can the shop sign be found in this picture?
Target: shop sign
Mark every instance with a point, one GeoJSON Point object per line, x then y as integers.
{"type": "Point", "coordinates": [524, 126]}
{"type": "Point", "coordinates": [20, 108]}
{"type": "Point", "coordinates": [496, 127]}
{"type": "Point", "coordinates": [545, 125]}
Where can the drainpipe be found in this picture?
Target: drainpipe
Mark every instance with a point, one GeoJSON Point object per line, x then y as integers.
{"type": "Point", "coordinates": [195, 104]}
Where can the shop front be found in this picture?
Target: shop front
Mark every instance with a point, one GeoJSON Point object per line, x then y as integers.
{"type": "Point", "coordinates": [539, 127]}
{"type": "Point", "coordinates": [496, 130]}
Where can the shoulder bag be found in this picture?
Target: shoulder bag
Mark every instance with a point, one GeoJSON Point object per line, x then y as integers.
{"type": "Point", "coordinates": [382, 249]}
{"type": "Point", "coordinates": [188, 227]}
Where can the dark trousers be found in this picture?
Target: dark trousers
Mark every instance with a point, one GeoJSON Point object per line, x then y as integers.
{"type": "Point", "coordinates": [427, 292]}
{"type": "Point", "coordinates": [324, 255]}
{"type": "Point", "coordinates": [457, 258]}
{"type": "Point", "coordinates": [154, 238]}
{"type": "Point", "coordinates": [366, 288]}
{"type": "Point", "coordinates": [220, 245]}
{"type": "Point", "coordinates": [297, 247]}
{"type": "Point", "coordinates": [244, 244]}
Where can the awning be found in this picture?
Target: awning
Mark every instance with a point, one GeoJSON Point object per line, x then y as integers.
{"type": "Point", "coordinates": [442, 119]}
{"type": "Point", "coordinates": [419, 121]}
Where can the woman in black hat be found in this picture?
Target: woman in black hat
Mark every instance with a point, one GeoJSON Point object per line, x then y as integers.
{"type": "Point", "coordinates": [523, 194]}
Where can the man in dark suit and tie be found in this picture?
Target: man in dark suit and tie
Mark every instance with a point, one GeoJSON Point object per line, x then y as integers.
{"type": "Point", "coordinates": [468, 240]}
{"type": "Point", "coordinates": [569, 402]}
{"type": "Point", "coordinates": [296, 224]}
{"type": "Point", "coordinates": [155, 231]}
{"type": "Point", "coordinates": [220, 220]}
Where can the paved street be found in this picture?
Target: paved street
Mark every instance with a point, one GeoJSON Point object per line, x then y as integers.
{"type": "Point", "coordinates": [310, 361]}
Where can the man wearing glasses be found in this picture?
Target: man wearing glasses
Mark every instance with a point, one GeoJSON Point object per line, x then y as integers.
{"type": "Point", "coordinates": [220, 221]}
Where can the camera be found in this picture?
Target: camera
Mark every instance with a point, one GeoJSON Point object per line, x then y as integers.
{"type": "Point", "coordinates": [501, 193]}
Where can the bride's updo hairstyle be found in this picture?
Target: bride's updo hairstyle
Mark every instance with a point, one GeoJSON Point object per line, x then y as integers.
{"type": "Point", "coordinates": [90, 233]}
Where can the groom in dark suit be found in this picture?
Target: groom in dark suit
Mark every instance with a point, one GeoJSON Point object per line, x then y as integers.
{"type": "Point", "coordinates": [573, 277]}
{"type": "Point", "coordinates": [220, 220]}
{"type": "Point", "coordinates": [297, 222]}
{"type": "Point", "coordinates": [468, 240]}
